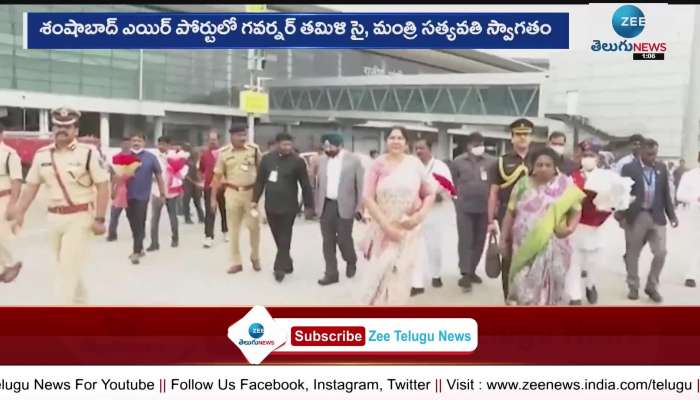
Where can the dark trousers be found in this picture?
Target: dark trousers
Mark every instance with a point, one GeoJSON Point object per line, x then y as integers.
{"type": "Point", "coordinates": [136, 214]}
{"type": "Point", "coordinates": [471, 233]}
{"type": "Point", "coordinates": [281, 227]}
{"type": "Point", "coordinates": [336, 231]}
{"type": "Point", "coordinates": [171, 206]}
{"type": "Point", "coordinates": [505, 260]}
{"type": "Point", "coordinates": [114, 215]}
{"type": "Point", "coordinates": [210, 215]}
{"type": "Point", "coordinates": [193, 194]}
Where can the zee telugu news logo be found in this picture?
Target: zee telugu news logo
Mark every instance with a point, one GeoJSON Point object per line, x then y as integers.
{"type": "Point", "coordinates": [256, 331]}
{"type": "Point", "coordinates": [629, 21]}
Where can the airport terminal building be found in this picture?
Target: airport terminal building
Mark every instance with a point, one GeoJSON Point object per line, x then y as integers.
{"type": "Point", "coordinates": [443, 95]}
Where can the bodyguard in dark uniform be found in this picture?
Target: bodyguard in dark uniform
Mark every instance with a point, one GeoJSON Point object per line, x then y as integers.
{"type": "Point", "coordinates": [281, 173]}
{"type": "Point", "coordinates": [507, 170]}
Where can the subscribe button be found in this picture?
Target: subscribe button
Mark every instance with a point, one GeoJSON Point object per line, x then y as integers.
{"type": "Point", "coordinates": [453, 335]}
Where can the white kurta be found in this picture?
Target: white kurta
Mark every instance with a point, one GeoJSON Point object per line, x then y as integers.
{"type": "Point", "coordinates": [689, 194]}
{"type": "Point", "coordinates": [433, 226]}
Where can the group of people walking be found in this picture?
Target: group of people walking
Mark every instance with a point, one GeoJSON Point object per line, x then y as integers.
{"type": "Point", "coordinates": [535, 200]}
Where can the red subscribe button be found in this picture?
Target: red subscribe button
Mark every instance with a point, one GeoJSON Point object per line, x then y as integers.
{"type": "Point", "coordinates": [328, 336]}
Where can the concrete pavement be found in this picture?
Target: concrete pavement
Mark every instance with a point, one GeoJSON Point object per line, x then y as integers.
{"type": "Point", "coordinates": [192, 275]}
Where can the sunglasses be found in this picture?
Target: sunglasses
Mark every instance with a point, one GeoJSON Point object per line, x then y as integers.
{"type": "Point", "coordinates": [521, 134]}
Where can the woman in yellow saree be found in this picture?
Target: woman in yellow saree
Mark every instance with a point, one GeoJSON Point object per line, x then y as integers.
{"type": "Point", "coordinates": [543, 211]}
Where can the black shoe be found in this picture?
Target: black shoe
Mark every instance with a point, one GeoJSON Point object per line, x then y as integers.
{"type": "Point", "coordinates": [575, 303]}
{"type": "Point", "coordinates": [153, 247]}
{"type": "Point", "coordinates": [111, 238]}
{"type": "Point", "coordinates": [690, 282]}
{"type": "Point", "coordinates": [350, 270]}
{"type": "Point", "coordinates": [328, 280]}
{"type": "Point", "coordinates": [437, 282]}
{"type": "Point", "coordinates": [592, 295]}
{"type": "Point", "coordinates": [465, 283]}
{"type": "Point", "coordinates": [654, 295]}
{"type": "Point", "coordinates": [633, 294]}
{"type": "Point", "coordinates": [174, 243]}
{"type": "Point", "coordinates": [279, 276]}
{"type": "Point", "coordinates": [474, 278]}
{"type": "Point", "coordinates": [584, 274]}
{"type": "Point", "coordinates": [416, 291]}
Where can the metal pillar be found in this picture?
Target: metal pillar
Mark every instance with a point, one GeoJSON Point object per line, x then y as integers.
{"type": "Point", "coordinates": [104, 130]}
{"type": "Point", "coordinates": [44, 125]}
{"type": "Point", "coordinates": [158, 130]}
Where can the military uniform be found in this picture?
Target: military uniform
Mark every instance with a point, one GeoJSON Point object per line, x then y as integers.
{"type": "Point", "coordinates": [10, 170]}
{"type": "Point", "coordinates": [70, 175]}
{"type": "Point", "coordinates": [507, 170]}
{"type": "Point", "coordinates": [238, 170]}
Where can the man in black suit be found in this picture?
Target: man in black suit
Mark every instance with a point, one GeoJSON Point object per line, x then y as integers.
{"type": "Point", "coordinates": [645, 220]}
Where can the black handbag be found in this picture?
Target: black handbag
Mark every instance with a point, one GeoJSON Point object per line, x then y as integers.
{"type": "Point", "coordinates": [493, 257]}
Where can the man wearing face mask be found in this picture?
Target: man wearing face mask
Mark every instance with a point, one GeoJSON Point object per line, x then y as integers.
{"type": "Point", "coordinates": [139, 193]}
{"type": "Point", "coordinates": [470, 175]}
{"type": "Point", "coordinates": [557, 142]}
{"type": "Point", "coordinates": [338, 200]}
{"type": "Point", "coordinates": [587, 243]}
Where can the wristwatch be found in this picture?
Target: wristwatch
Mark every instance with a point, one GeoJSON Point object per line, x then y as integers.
{"type": "Point", "coordinates": [100, 220]}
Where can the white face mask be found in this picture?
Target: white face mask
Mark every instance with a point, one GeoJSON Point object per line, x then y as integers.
{"type": "Point", "coordinates": [137, 151]}
{"type": "Point", "coordinates": [478, 150]}
{"type": "Point", "coordinates": [589, 163]}
{"type": "Point", "coordinates": [559, 149]}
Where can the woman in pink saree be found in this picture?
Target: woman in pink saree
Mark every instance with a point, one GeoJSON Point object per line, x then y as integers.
{"type": "Point", "coordinates": [398, 193]}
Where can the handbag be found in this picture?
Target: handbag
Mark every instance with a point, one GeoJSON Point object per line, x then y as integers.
{"type": "Point", "coordinates": [493, 257]}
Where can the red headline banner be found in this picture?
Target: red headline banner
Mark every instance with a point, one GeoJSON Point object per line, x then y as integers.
{"type": "Point", "coordinates": [507, 335]}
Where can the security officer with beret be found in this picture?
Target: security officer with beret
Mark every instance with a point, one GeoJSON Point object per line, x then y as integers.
{"type": "Point", "coordinates": [78, 186]}
{"type": "Point", "coordinates": [507, 170]}
{"type": "Point", "coordinates": [236, 170]}
{"type": "Point", "coordinates": [10, 188]}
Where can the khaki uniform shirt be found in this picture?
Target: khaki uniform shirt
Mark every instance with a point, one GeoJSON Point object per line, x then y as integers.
{"type": "Point", "coordinates": [78, 177]}
{"type": "Point", "coordinates": [10, 166]}
{"type": "Point", "coordinates": [238, 166]}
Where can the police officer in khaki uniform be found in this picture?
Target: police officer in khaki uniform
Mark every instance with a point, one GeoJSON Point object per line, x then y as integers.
{"type": "Point", "coordinates": [10, 187]}
{"type": "Point", "coordinates": [78, 186]}
{"type": "Point", "coordinates": [236, 169]}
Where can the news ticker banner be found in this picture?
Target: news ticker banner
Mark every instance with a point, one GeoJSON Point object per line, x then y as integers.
{"type": "Point", "coordinates": [542, 30]}
{"type": "Point", "coordinates": [350, 382]}
{"type": "Point", "coordinates": [365, 335]}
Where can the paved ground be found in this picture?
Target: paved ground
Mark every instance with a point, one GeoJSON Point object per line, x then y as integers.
{"type": "Point", "coordinates": [192, 275]}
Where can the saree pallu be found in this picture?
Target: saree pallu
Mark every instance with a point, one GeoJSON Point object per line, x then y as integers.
{"type": "Point", "coordinates": [541, 260]}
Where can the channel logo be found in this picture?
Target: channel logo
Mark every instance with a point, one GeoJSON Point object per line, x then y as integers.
{"type": "Point", "coordinates": [257, 335]}
{"type": "Point", "coordinates": [628, 22]}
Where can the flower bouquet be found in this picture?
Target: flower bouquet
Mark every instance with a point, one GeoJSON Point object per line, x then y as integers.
{"type": "Point", "coordinates": [176, 171]}
{"type": "Point", "coordinates": [125, 166]}
{"type": "Point", "coordinates": [613, 191]}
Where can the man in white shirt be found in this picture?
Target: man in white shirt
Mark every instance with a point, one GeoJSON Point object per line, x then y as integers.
{"type": "Point", "coordinates": [338, 201]}
{"type": "Point", "coordinates": [435, 221]}
{"type": "Point", "coordinates": [689, 194]}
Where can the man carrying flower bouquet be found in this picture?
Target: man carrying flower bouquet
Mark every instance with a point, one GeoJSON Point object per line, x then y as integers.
{"type": "Point", "coordinates": [120, 172]}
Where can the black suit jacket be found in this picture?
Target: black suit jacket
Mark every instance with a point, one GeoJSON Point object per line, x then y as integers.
{"type": "Point", "coordinates": [662, 205]}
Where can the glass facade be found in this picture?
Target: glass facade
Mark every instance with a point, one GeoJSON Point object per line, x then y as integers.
{"type": "Point", "coordinates": [212, 77]}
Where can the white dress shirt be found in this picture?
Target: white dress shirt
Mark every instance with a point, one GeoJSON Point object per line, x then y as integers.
{"type": "Point", "coordinates": [689, 189]}
{"type": "Point", "coordinates": [333, 168]}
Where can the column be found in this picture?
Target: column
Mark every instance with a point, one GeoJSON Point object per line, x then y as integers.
{"type": "Point", "coordinates": [441, 148]}
{"type": "Point", "coordinates": [691, 122]}
{"type": "Point", "coordinates": [158, 130]}
{"type": "Point", "coordinates": [44, 126]}
{"type": "Point", "coordinates": [104, 130]}
{"type": "Point", "coordinates": [382, 142]}
{"type": "Point", "coordinates": [227, 124]}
